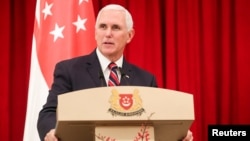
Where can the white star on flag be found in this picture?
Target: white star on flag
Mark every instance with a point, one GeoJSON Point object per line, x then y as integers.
{"type": "Point", "coordinates": [80, 1]}
{"type": "Point", "coordinates": [57, 32]}
{"type": "Point", "coordinates": [47, 10]}
{"type": "Point", "coordinates": [80, 23]}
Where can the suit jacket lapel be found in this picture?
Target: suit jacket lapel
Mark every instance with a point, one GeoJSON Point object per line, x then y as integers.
{"type": "Point", "coordinates": [94, 69]}
{"type": "Point", "coordinates": [128, 72]}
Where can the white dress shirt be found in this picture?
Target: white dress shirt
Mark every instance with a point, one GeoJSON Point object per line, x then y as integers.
{"type": "Point", "coordinates": [104, 65]}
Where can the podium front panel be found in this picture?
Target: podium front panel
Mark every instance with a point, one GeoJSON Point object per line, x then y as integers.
{"type": "Point", "coordinates": [166, 110]}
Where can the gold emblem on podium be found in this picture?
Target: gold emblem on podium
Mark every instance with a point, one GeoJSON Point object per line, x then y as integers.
{"type": "Point", "coordinates": [125, 104]}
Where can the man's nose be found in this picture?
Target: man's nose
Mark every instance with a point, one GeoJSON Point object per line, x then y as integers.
{"type": "Point", "coordinates": [109, 32]}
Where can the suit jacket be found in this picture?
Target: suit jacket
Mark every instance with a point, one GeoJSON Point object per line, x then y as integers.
{"type": "Point", "coordinates": [81, 73]}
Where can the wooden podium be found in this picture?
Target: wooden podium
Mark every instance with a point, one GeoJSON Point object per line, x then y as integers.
{"type": "Point", "coordinates": [119, 113]}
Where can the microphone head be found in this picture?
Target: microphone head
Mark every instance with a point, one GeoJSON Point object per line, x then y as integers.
{"type": "Point", "coordinates": [101, 75]}
{"type": "Point", "coordinates": [102, 78]}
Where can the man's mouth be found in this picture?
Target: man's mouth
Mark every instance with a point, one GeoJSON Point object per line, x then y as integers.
{"type": "Point", "coordinates": [108, 43]}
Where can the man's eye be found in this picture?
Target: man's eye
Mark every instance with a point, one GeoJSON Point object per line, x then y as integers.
{"type": "Point", "coordinates": [103, 26]}
{"type": "Point", "coordinates": [116, 27]}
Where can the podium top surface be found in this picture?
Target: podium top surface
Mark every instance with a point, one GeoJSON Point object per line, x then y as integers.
{"type": "Point", "coordinates": [125, 103]}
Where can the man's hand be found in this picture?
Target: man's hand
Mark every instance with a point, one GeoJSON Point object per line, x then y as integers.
{"type": "Point", "coordinates": [50, 136]}
{"type": "Point", "coordinates": [189, 136]}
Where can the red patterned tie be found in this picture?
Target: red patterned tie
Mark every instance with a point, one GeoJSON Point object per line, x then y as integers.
{"type": "Point", "coordinates": [113, 77]}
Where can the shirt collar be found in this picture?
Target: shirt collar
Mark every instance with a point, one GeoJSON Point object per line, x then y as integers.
{"type": "Point", "coordinates": [105, 61]}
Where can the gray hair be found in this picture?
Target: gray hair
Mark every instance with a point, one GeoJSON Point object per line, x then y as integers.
{"type": "Point", "coordinates": [129, 20]}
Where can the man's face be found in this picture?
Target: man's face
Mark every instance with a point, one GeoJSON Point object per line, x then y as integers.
{"type": "Point", "coordinates": [112, 34]}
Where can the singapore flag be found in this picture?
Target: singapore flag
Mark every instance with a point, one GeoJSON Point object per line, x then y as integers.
{"type": "Point", "coordinates": [62, 29]}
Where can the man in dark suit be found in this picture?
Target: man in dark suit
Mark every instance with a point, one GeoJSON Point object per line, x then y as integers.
{"type": "Point", "coordinates": [113, 31]}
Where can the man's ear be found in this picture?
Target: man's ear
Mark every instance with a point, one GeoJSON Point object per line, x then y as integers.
{"type": "Point", "coordinates": [131, 34]}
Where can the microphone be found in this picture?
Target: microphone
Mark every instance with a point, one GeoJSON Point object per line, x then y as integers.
{"type": "Point", "coordinates": [124, 76]}
{"type": "Point", "coordinates": [102, 79]}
